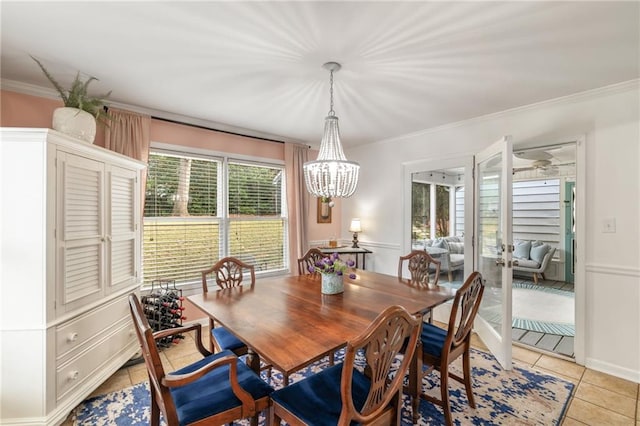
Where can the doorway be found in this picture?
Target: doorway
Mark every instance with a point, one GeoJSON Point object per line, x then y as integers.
{"type": "Point", "coordinates": [545, 208]}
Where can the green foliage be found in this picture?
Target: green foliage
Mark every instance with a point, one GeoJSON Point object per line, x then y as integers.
{"type": "Point", "coordinates": [78, 96]}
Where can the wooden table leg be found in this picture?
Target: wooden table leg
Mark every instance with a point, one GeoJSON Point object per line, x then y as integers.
{"type": "Point", "coordinates": [253, 361]}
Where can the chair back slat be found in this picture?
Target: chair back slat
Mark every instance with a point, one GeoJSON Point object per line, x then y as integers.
{"type": "Point", "coordinates": [309, 259]}
{"type": "Point", "coordinates": [380, 344]}
{"type": "Point", "coordinates": [467, 302]}
{"type": "Point", "coordinates": [228, 272]}
{"type": "Point", "coordinates": [419, 263]}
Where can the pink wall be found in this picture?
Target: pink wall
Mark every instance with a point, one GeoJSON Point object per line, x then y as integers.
{"type": "Point", "coordinates": [20, 110]}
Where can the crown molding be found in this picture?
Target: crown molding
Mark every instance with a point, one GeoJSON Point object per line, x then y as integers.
{"type": "Point", "coordinates": [43, 92]}
{"type": "Point", "coordinates": [573, 98]}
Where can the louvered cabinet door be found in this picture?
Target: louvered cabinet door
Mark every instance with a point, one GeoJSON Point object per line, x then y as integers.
{"type": "Point", "coordinates": [123, 222]}
{"type": "Point", "coordinates": [80, 232]}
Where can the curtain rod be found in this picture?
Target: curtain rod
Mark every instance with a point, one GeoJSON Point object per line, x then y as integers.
{"type": "Point", "coordinates": [215, 130]}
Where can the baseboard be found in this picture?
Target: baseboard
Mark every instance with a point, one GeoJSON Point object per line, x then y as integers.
{"type": "Point", "coordinates": [612, 369]}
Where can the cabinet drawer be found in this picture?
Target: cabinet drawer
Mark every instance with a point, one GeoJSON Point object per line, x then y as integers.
{"type": "Point", "coordinates": [77, 331]}
{"type": "Point", "coordinates": [79, 369]}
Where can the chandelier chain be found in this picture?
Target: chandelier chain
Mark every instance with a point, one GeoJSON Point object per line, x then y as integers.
{"type": "Point", "coordinates": [331, 111]}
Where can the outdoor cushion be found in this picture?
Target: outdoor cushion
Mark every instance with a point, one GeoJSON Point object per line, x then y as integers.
{"type": "Point", "coordinates": [537, 253]}
{"type": "Point", "coordinates": [522, 249]}
{"type": "Point", "coordinates": [528, 263]}
{"type": "Point", "coordinates": [536, 243]}
{"type": "Point", "coordinates": [441, 243]}
{"type": "Point", "coordinates": [455, 247]}
{"type": "Point", "coordinates": [456, 259]}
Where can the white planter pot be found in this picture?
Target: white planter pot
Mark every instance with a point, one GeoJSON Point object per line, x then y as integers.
{"type": "Point", "coordinates": [332, 284]}
{"type": "Point", "coordinates": [75, 122]}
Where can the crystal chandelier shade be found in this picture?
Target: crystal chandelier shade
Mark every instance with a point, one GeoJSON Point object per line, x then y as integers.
{"type": "Point", "coordinates": [331, 174]}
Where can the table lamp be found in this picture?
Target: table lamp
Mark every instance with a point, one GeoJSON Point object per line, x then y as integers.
{"type": "Point", "coordinates": [355, 228]}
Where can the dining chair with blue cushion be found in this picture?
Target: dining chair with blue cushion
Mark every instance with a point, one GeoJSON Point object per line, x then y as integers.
{"type": "Point", "coordinates": [365, 388]}
{"type": "Point", "coordinates": [215, 390]}
{"type": "Point", "coordinates": [441, 347]}
{"type": "Point", "coordinates": [227, 272]}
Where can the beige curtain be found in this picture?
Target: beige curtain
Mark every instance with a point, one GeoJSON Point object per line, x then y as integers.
{"type": "Point", "coordinates": [128, 134]}
{"type": "Point", "coordinates": [295, 155]}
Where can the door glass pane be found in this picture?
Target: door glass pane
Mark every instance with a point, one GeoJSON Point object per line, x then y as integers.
{"type": "Point", "coordinates": [490, 240]}
{"type": "Point", "coordinates": [420, 217]}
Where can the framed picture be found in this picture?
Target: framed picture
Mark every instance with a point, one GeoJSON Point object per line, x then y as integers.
{"type": "Point", "coordinates": [324, 210]}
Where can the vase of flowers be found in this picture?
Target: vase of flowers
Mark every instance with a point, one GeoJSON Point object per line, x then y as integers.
{"type": "Point", "coordinates": [332, 270]}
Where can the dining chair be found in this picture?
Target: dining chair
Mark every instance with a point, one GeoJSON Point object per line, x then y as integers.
{"type": "Point", "coordinates": [441, 347]}
{"type": "Point", "coordinates": [227, 272]}
{"type": "Point", "coordinates": [214, 390]}
{"type": "Point", "coordinates": [420, 264]}
{"type": "Point", "coordinates": [309, 259]}
{"type": "Point", "coordinates": [363, 391]}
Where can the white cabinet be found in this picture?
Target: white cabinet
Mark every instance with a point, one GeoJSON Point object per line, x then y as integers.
{"type": "Point", "coordinates": [71, 254]}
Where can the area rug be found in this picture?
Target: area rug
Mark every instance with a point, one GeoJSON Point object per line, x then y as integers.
{"type": "Point", "coordinates": [520, 396]}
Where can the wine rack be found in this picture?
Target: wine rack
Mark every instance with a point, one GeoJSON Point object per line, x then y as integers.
{"type": "Point", "coordinates": [163, 308]}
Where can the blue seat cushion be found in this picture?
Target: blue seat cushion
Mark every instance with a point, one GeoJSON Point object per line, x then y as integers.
{"type": "Point", "coordinates": [212, 394]}
{"type": "Point", "coordinates": [226, 339]}
{"type": "Point", "coordinates": [432, 339]}
{"type": "Point", "coordinates": [316, 400]}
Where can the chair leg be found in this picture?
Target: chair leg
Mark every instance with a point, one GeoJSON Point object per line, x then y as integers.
{"type": "Point", "coordinates": [415, 382]}
{"type": "Point", "coordinates": [155, 410]}
{"type": "Point", "coordinates": [543, 277]}
{"type": "Point", "coordinates": [444, 393]}
{"type": "Point", "coordinates": [332, 360]}
{"type": "Point", "coordinates": [450, 274]}
{"type": "Point", "coordinates": [535, 277]}
{"type": "Point", "coordinates": [466, 366]}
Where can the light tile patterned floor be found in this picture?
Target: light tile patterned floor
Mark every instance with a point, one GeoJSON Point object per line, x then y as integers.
{"type": "Point", "coordinates": [598, 399]}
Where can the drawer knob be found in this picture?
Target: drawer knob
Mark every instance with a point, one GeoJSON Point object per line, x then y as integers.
{"type": "Point", "coordinates": [72, 337]}
{"type": "Point", "coordinates": [74, 375]}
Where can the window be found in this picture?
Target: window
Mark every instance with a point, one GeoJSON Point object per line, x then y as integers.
{"type": "Point", "coordinates": [198, 210]}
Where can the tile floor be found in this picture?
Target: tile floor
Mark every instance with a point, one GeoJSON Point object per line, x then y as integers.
{"type": "Point", "coordinates": [598, 399]}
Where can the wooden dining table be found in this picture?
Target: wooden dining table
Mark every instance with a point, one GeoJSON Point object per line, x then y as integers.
{"type": "Point", "coordinates": [291, 324]}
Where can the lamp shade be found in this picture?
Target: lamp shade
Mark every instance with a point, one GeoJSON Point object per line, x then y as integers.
{"type": "Point", "coordinates": [355, 226]}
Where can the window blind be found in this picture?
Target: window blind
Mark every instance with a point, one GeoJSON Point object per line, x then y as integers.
{"type": "Point", "coordinates": [187, 228]}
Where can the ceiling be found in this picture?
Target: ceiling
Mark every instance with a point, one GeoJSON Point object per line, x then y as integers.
{"type": "Point", "coordinates": [256, 67]}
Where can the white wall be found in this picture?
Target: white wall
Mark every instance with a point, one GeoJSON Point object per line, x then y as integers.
{"type": "Point", "coordinates": [609, 120]}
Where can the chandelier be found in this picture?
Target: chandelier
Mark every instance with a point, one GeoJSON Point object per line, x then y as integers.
{"type": "Point", "coordinates": [331, 174]}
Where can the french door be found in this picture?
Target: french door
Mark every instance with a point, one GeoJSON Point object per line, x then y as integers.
{"type": "Point", "coordinates": [493, 246]}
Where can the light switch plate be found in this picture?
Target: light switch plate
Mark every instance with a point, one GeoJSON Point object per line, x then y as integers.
{"type": "Point", "coordinates": [609, 225]}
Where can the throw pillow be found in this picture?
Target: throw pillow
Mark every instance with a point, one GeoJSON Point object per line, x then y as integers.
{"type": "Point", "coordinates": [441, 243]}
{"type": "Point", "coordinates": [536, 243]}
{"type": "Point", "coordinates": [522, 249]}
{"type": "Point", "coordinates": [537, 253]}
{"type": "Point", "coordinates": [457, 248]}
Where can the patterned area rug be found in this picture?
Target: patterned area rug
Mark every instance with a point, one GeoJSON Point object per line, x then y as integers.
{"type": "Point", "coordinates": [521, 396]}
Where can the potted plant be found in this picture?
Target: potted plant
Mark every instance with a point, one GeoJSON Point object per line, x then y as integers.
{"type": "Point", "coordinates": [81, 111]}
{"type": "Point", "coordinates": [332, 270]}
